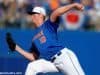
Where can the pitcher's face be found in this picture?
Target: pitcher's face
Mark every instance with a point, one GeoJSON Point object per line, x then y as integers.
{"type": "Point", "coordinates": [37, 18]}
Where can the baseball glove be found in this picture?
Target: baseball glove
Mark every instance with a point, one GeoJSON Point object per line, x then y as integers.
{"type": "Point", "coordinates": [10, 42]}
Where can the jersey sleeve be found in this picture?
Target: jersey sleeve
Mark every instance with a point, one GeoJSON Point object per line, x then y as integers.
{"type": "Point", "coordinates": [54, 25]}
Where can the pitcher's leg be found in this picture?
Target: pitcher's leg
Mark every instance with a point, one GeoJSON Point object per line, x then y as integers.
{"type": "Point", "coordinates": [40, 66]}
{"type": "Point", "coordinates": [75, 62]}
{"type": "Point", "coordinates": [68, 63]}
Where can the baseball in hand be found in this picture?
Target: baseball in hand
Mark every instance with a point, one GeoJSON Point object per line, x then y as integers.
{"type": "Point", "coordinates": [79, 6]}
{"type": "Point", "coordinates": [83, 8]}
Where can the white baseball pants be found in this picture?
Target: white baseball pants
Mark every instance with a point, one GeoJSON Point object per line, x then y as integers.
{"type": "Point", "coordinates": [66, 63]}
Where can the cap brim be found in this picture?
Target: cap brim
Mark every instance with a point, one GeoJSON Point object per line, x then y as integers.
{"type": "Point", "coordinates": [30, 13]}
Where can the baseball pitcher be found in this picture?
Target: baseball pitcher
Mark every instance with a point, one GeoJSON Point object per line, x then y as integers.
{"type": "Point", "coordinates": [47, 53]}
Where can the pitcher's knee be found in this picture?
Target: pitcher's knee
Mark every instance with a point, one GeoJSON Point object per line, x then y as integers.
{"type": "Point", "coordinates": [36, 68]}
{"type": "Point", "coordinates": [71, 52]}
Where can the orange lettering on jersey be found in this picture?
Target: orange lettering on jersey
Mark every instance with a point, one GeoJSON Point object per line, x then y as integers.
{"type": "Point", "coordinates": [38, 35]}
{"type": "Point", "coordinates": [42, 39]}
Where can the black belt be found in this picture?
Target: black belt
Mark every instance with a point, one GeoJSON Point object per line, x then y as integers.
{"type": "Point", "coordinates": [53, 58]}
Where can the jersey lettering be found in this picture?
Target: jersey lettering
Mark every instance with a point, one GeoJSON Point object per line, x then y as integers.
{"type": "Point", "coordinates": [40, 36]}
